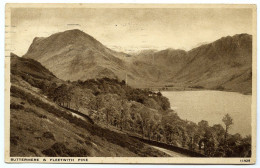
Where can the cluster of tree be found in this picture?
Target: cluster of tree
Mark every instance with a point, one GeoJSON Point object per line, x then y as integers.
{"type": "Point", "coordinates": [146, 113]}
{"type": "Point", "coordinates": [113, 86]}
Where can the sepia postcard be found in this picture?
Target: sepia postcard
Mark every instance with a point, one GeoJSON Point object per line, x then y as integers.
{"type": "Point", "coordinates": [130, 83]}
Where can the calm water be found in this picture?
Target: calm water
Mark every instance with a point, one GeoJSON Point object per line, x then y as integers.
{"type": "Point", "coordinates": [212, 106]}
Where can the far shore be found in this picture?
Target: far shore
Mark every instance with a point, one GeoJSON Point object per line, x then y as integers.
{"type": "Point", "coordinates": [168, 89]}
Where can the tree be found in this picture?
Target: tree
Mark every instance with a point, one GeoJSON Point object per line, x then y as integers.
{"type": "Point", "coordinates": [219, 132]}
{"type": "Point", "coordinates": [51, 90]}
{"type": "Point", "coordinates": [228, 121]}
{"type": "Point", "coordinates": [203, 125]}
{"type": "Point", "coordinates": [109, 112]}
{"type": "Point", "coordinates": [139, 123]}
{"type": "Point", "coordinates": [209, 143]}
{"type": "Point", "coordinates": [124, 114]}
{"type": "Point", "coordinates": [191, 130]}
{"type": "Point", "coordinates": [61, 94]}
{"type": "Point", "coordinates": [145, 115]}
{"type": "Point", "coordinates": [151, 127]}
{"type": "Point", "coordinates": [168, 131]}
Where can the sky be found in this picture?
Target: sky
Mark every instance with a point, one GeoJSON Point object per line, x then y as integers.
{"type": "Point", "coordinates": [131, 29]}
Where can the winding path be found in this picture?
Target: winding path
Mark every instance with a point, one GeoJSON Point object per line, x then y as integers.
{"type": "Point", "coordinates": [169, 152]}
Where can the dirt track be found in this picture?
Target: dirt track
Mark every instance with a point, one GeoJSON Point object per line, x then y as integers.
{"type": "Point", "coordinates": [169, 152]}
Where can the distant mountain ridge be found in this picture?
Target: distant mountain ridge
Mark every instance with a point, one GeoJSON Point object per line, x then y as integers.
{"type": "Point", "coordinates": [225, 64]}
{"type": "Point", "coordinates": [220, 64]}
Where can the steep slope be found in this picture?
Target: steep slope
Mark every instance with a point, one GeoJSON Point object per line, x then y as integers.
{"type": "Point", "coordinates": [20, 66]}
{"type": "Point", "coordinates": [167, 57]}
{"type": "Point", "coordinates": [40, 127]}
{"type": "Point", "coordinates": [224, 64]}
{"type": "Point", "coordinates": [157, 66]}
{"type": "Point", "coordinates": [73, 55]}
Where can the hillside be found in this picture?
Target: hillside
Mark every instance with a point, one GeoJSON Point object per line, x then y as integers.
{"type": "Point", "coordinates": [40, 127]}
{"type": "Point", "coordinates": [103, 117]}
{"type": "Point", "coordinates": [224, 64]}
{"type": "Point", "coordinates": [158, 66]}
{"type": "Point", "coordinates": [73, 55]}
{"type": "Point", "coordinates": [30, 67]}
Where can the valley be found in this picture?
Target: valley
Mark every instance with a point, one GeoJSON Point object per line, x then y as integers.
{"type": "Point", "coordinates": [225, 64]}
{"type": "Point", "coordinates": [73, 96]}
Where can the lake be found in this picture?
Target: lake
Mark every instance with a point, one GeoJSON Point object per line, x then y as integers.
{"type": "Point", "coordinates": [212, 106]}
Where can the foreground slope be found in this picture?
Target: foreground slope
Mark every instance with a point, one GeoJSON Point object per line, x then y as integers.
{"type": "Point", "coordinates": [103, 117]}
{"type": "Point", "coordinates": [39, 127]}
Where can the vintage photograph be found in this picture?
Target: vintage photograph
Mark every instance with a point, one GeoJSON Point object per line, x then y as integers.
{"type": "Point", "coordinates": [130, 83]}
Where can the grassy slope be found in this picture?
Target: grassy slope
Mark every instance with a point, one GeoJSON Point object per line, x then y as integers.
{"type": "Point", "coordinates": [37, 131]}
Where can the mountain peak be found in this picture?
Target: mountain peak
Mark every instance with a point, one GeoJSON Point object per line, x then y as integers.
{"type": "Point", "coordinates": [76, 50]}
{"type": "Point", "coordinates": [68, 34]}
{"type": "Point", "coordinates": [75, 38]}
{"type": "Point", "coordinates": [242, 35]}
{"type": "Point", "coordinates": [74, 32]}
{"type": "Point", "coordinates": [13, 55]}
{"type": "Point", "coordinates": [37, 39]}
{"type": "Point", "coordinates": [237, 37]}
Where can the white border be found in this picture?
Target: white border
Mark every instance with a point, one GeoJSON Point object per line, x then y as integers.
{"type": "Point", "coordinates": [2, 23]}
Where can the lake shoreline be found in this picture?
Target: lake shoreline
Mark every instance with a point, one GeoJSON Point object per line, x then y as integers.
{"type": "Point", "coordinates": [206, 89]}
{"type": "Point", "coordinates": [212, 105]}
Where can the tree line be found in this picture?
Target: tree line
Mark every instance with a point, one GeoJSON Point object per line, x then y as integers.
{"type": "Point", "coordinates": [145, 113]}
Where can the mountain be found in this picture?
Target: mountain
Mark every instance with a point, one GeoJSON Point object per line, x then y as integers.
{"type": "Point", "coordinates": [73, 55]}
{"type": "Point", "coordinates": [224, 64]}
{"type": "Point", "coordinates": [161, 65]}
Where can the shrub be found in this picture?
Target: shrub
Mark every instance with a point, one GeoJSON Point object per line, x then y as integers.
{"type": "Point", "coordinates": [14, 140]}
{"type": "Point", "coordinates": [30, 110]}
{"type": "Point", "coordinates": [80, 152]}
{"type": "Point", "coordinates": [220, 88]}
{"type": "Point", "coordinates": [49, 152]}
{"type": "Point", "coordinates": [32, 150]}
{"type": "Point", "coordinates": [48, 135]}
{"type": "Point", "coordinates": [59, 149]}
{"type": "Point", "coordinates": [16, 106]}
{"type": "Point", "coordinates": [88, 143]}
{"type": "Point", "coordinates": [42, 116]}
{"type": "Point", "coordinates": [197, 87]}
